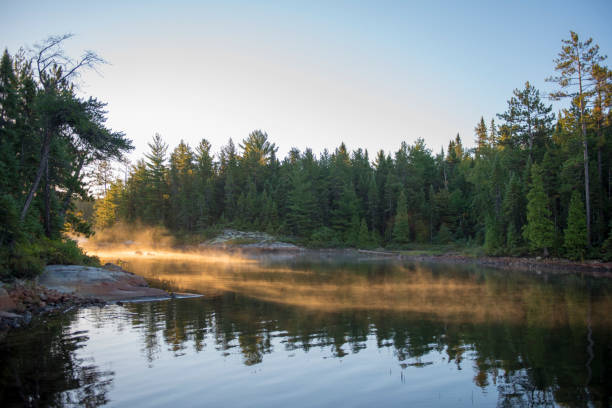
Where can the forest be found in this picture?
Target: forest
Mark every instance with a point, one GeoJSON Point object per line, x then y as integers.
{"type": "Point", "coordinates": [525, 188]}
{"type": "Point", "coordinates": [49, 136]}
{"type": "Point", "coordinates": [536, 183]}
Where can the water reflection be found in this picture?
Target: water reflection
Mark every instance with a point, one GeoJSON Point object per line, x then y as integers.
{"type": "Point", "coordinates": [458, 293]}
{"type": "Point", "coordinates": [41, 368]}
{"type": "Point", "coordinates": [520, 339]}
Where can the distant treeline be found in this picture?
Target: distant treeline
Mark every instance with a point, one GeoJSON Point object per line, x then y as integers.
{"type": "Point", "coordinates": [535, 182]}
{"type": "Point", "coordinates": [525, 187]}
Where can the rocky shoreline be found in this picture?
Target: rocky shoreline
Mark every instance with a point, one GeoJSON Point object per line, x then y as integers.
{"type": "Point", "coordinates": [554, 265]}
{"type": "Point", "coordinates": [24, 300]}
{"type": "Point", "coordinates": [62, 288]}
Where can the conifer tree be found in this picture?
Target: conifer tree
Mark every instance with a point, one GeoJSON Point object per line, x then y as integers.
{"type": "Point", "coordinates": [481, 136]}
{"type": "Point", "coordinates": [301, 204]}
{"type": "Point", "coordinates": [364, 239]}
{"type": "Point", "coordinates": [494, 237]}
{"type": "Point", "coordinates": [575, 236]}
{"type": "Point", "coordinates": [183, 196]}
{"type": "Point", "coordinates": [401, 227]}
{"type": "Point", "coordinates": [575, 66]}
{"type": "Point", "coordinates": [513, 210]}
{"type": "Point", "coordinates": [157, 173]}
{"type": "Point", "coordinates": [204, 177]}
{"type": "Point", "coordinates": [527, 116]}
{"type": "Point", "coordinates": [539, 230]}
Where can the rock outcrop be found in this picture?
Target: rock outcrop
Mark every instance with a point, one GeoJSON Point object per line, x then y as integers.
{"type": "Point", "coordinates": [110, 283]}
{"type": "Point", "coordinates": [261, 241]}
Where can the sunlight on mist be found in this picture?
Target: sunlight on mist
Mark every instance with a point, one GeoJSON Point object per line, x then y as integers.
{"type": "Point", "coordinates": [312, 282]}
{"type": "Point", "coordinates": [125, 243]}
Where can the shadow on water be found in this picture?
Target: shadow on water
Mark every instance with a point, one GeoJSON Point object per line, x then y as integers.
{"type": "Point", "coordinates": [535, 340]}
{"type": "Point", "coordinates": [40, 368]}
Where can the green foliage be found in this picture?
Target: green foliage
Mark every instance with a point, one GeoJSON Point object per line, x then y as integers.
{"type": "Point", "coordinates": [324, 237]}
{"type": "Point", "coordinates": [9, 220]}
{"type": "Point", "coordinates": [575, 235]}
{"type": "Point", "coordinates": [411, 196]}
{"type": "Point", "coordinates": [49, 136]}
{"type": "Point", "coordinates": [28, 259]}
{"type": "Point", "coordinates": [539, 230]}
{"type": "Point", "coordinates": [401, 228]}
{"type": "Point", "coordinates": [65, 252]}
{"type": "Point", "coordinates": [365, 238]}
{"type": "Point", "coordinates": [606, 247]}
{"type": "Point", "coordinates": [25, 260]}
{"type": "Point", "coordinates": [444, 235]}
{"type": "Point", "coordinates": [494, 236]}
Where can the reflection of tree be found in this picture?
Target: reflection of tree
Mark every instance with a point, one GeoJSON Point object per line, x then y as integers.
{"type": "Point", "coordinates": [536, 355]}
{"type": "Point", "coordinates": [39, 367]}
{"type": "Point", "coordinates": [529, 340]}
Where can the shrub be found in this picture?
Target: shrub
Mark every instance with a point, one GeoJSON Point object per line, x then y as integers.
{"type": "Point", "coordinates": [65, 252]}
{"type": "Point", "coordinates": [324, 237]}
{"type": "Point", "coordinates": [24, 261]}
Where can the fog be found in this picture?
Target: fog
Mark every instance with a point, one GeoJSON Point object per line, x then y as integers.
{"type": "Point", "coordinates": [335, 282]}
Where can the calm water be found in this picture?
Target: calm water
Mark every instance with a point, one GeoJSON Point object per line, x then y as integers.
{"type": "Point", "coordinates": [324, 331]}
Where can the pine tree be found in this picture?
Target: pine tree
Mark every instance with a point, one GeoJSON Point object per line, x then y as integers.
{"type": "Point", "coordinates": [513, 209]}
{"type": "Point", "coordinates": [539, 230]}
{"type": "Point", "coordinates": [302, 205]}
{"type": "Point", "coordinates": [182, 188]}
{"type": "Point", "coordinates": [527, 116]}
{"type": "Point", "coordinates": [481, 137]}
{"type": "Point", "coordinates": [401, 227]}
{"type": "Point", "coordinates": [106, 209]}
{"type": "Point", "coordinates": [494, 236]}
{"type": "Point", "coordinates": [364, 239]}
{"type": "Point", "coordinates": [575, 65]}
{"type": "Point", "coordinates": [157, 173]}
{"type": "Point", "coordinates": [204, 176]}
{"type": "Point", "coordinates": [575, 236]}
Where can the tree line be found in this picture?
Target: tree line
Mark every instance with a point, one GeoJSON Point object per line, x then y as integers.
{"type": "Point", "coordinates": [49, 135]}
{"type": "Point", "coordinates": [534, 181]}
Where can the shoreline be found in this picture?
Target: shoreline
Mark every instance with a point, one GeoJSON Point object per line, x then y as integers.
{"type": "Point", "coordinates": [523, 263]}
{"type": "Point", "coordinates": [534, 264]}
{"type": "Point", "coordinates": [62, 288]}
{"type": "Point", "coordinates": [538, 265]}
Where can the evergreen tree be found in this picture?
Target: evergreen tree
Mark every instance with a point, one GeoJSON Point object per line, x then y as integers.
{"type": "Point", "coordinates": [527, 117]}
{"type": "Point", "coordinates": [302, 204]}
{"type": "Point", "coordinates": [481, 137]}
{"type": "Point", "coordinates": [513, 208]}
{"type": "Point", "coordinates": [364, 238]}
{"type": "Point", "coordinates": [156, 178]}
{"type": "Point", "coordinates": [401, 227]}
{"type": "Point", "coordinates": [575, 236]}
{"type": "Point", "coordinates": [575, 66]}
{"type": "Point", "coordinates": [539, 230]}
{"type": "Point", "coordinates": [203, 184]}
{"type": "Point", "coordinates": [494, 235]}
{"type": "Point", "coordinates": [183, 197]}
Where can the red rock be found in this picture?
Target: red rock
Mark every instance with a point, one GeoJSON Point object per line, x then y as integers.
{"type": "Point", "coordinates": [6, 302]}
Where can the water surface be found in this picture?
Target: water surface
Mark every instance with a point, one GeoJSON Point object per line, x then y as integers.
{"type": "Point", "coordinates": [324, 331]}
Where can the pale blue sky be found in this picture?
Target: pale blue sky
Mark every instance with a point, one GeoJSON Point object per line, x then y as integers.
{"type": "Point", "coordinates": [371, 74]}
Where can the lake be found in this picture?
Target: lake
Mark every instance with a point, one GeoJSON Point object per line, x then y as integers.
{"type": "Point", "coordinates": [323, 329]}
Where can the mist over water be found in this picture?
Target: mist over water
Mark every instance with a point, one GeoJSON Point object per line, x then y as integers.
{"type": "Point", "coordinates": [331, 328]}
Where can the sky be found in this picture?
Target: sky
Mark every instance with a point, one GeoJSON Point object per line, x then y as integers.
{"type": "Point", "coordinates": [309, 73]}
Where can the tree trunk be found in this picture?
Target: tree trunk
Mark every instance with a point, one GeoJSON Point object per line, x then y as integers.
{"type": "Point", "coordinates": [44, 158]}
{"type": "Point", "coordinates": [586, 157]}
{"type": "Point", "coordinates": [586, 184]}
{"type": "Point", "coordinates": [47, 199]}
